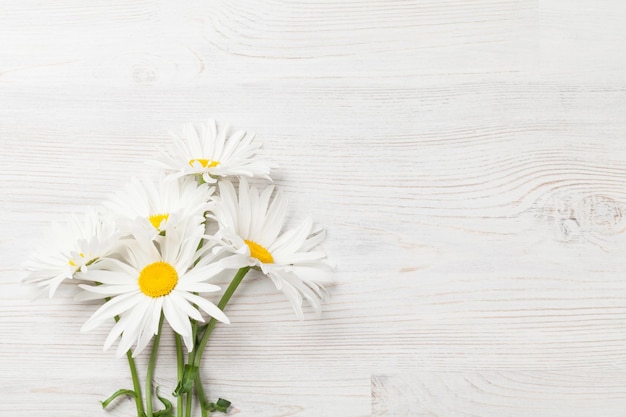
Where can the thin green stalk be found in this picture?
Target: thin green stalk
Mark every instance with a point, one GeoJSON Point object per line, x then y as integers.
{"type": "Point", "coordinates": [136, 383]}
{"type": "Point", "coordinates": [194, 357]}
{"type": "Point", "coordinates": [151, 364]}
{"type": "Point", "coordinates": [180, 362]}
{"type": "Point", "coordinates": [194, 335]}
{"type": "Point", "coordinates": [189, 403]}
{"type": "Point", "coordinates": [134, 376]}
{"type": "Point", "coordinates": [201, 396]}
{"type": "Point", "coordinates": [232, 287]}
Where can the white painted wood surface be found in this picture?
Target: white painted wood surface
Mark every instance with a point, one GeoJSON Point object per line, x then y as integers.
{"type": "Point", "coordinates": [467, 157]}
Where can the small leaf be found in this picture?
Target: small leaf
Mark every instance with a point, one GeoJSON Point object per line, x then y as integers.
{"type": "Point", "coordinates": [222, 405]}
{"type": "Point", "coordinates": [167, 412]}
{"type": "Point", "coordinates": [116, 394]}
{"type": "Point", "coordinates": [163, 413]}
{"type": "Point", "coordinates": [186, 384]}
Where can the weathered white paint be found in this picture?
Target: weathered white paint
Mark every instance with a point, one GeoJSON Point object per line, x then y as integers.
{"type": "Point", "coordinates": [467, 158]}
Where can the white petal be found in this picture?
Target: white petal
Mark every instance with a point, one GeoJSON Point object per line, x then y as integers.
{"type": "Point", "coordinates": [208, 307]}
{"type": "Point", "coordinates": [179, 322]}
{"type": "Point", "coordinates": [320, 274]}
{"type": "Point", "coordinates": [296, 258]}
{"type": "Point", "coordinates": [115, 332]}
{"type": "Point", "coordinates": [244, 209]}
{"type": "Point", "coordinates": [112, 308]}
{"type": "Point", "coordinates": [188, 342]}
{"type": "Point", "coordinates": [274, 220]}
{"type": "Point", "coordinates": [203, 273]}
{"type": "Point", "coordinates": [181, 303]}
{"type": "Point", "coordinates": [132, 330]}
{"type": "Point", "coordinates": [149, 325]}
{"type": "Point", "coordinates": [292, 294]}
{"type": "Point", "coordinates": [292, 239]}
{"type": "Point", "coordinates": [315, 239]}
{"type": "Point", "coordinates": [197, 287]}
{"type": "Point", "coordinates": [109, 290]}
{"type": "Point", "coordinates": [106, 277]}
{"type": "Point", "coordinates": [256, 229]}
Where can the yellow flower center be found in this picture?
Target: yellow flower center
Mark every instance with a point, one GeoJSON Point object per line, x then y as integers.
{"type": "Point", "coordinates": [206, 163]}
{"type": "Point", "coordinates": [259, 252]}
{"type": "Point", "coordinates": [156, 219]}
{"type": "Point", "coordinates": [158, 279]}
{"type": "Point", "coordinates": [71, 261]}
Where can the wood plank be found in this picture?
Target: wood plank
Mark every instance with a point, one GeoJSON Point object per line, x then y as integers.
{"type": "Point", "coordinates": [501, 394]}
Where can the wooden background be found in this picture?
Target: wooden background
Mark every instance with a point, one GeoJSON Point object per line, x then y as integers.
{"type": "Point", "coordinates": [466, 157]}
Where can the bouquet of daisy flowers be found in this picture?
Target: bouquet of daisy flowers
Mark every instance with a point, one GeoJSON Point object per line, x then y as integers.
{"type": "Point", "coordinates": [150, 252]}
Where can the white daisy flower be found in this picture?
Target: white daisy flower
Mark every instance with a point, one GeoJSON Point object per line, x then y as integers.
{"type": "Point", "coordinates": [209, 152]}
{"type": "Point", "coordinates": [249, 227]}
{"type": "Point", "coordinates": [154, 278]}
{"type": "Point", "coordinates": [150, 208]}
{"type": "Point", "coordinates": [75, 246]}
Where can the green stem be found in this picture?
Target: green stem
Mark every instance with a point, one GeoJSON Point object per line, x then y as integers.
{"type": "Point", "coordinates": [134, 376]}
{"type": "Point", "coordinates": [188, 382]}
{"type": "Point", "coordinates": [189, 403]}
{"type": "Point", "coordinates": [136, 384]}
{"type": "Point", "coordinates": [189, 394]}
{"type": "Point", "coordinates": [232, 287]}
{"type": "Point", "coordinates": [151, 364]}
{"type": "Point", "coordinates": [180, 362]}
{"type": "Point", "coordinates": [201, 396]}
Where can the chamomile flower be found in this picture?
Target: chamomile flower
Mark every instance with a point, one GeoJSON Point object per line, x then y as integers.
{"type": "Point", "coordinates": [150, 208]}
{"type": "Point", "coordinates": [153, 278]}
{"type": "Point", "coordinates": [210, 152]}
{"type": "Point", "coordinates": [250, 229]}
{"type": "Point", "coordinates": [83, 241]}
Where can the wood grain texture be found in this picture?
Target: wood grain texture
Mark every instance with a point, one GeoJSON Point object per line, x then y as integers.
{"type": "Point", "coordinates": [466, 157]}
{"type": "Point", "coordinates": [506, 394]}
